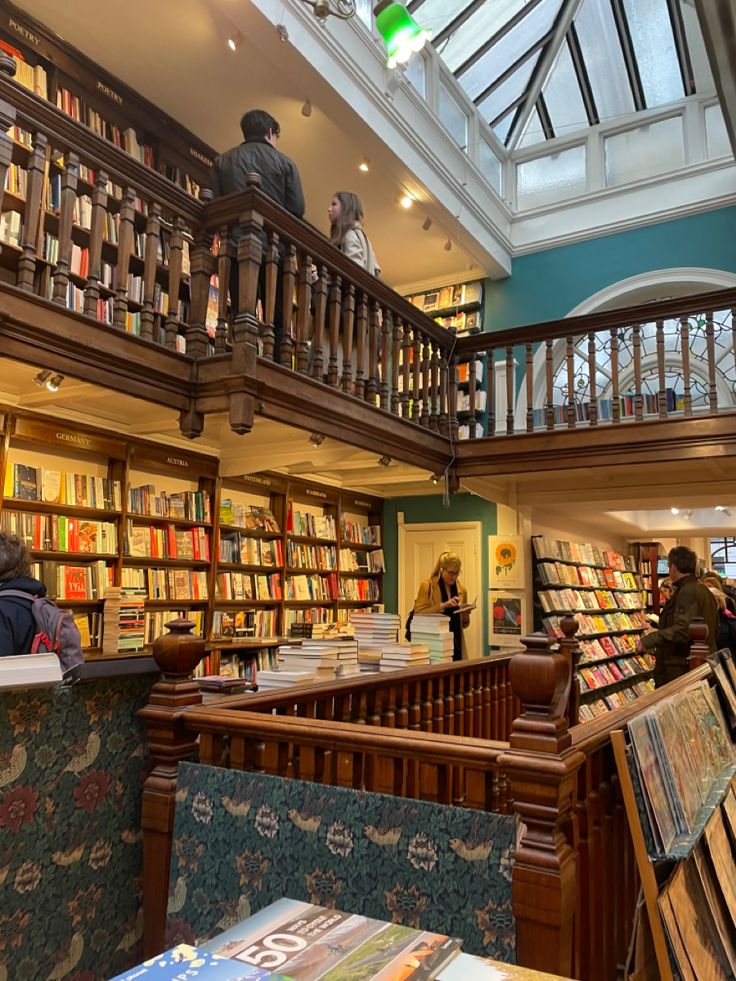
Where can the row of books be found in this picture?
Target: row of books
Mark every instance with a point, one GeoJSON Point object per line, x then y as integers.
{"type": "Point", "coordinates": [167, 584]}
{"type": "Point", "coordinates": [448, 296]}
{"type": "Point", "coordinates": [600, 647]}
{"type": "Point", "coordinates": [59, 533]}
{"type": "Point", "coordinates": [617, 699]}
{"type": "Point", "coordinates": [310, 525]}
{"type": "Point", "coordinates": [11, 228]}
{"type": "Point", "coordinates": [612, 672]}
{"type": "Point", "coordinates": [16, 180]}
{"type": "Point", "coordinates": [319, 615]}
{"type": "Point", "coordinates": [324, 588]}
{"type": "Point", "coordinates": [187, 505]}
{"type": "Point", "coordinates": [167, 542]}
{"type": "Point", "coordinates": [244, 623]}
{"type": "Point", "coordinates": [31, 77]}
{"type": "Point", "coordinates": [581, 410]}
{"type": "Point", "coordinates": [602, 623]}
{"type": "Point", "coordinates": [562, 574]}
{"type": "Point", "coordinates": [355, 590]}
{"type": "Point", "coordinates": [564, 551]}
{"type": "Point", "coordinates": [311, 556]}
{"type": "Point", "coordinates": [463, 372]}
{"type": "Point", "coordinates": [554, 600]}
{"type": "Point", "coordinates": [28, 483]}
{"type": "Point", "coordinates": [244, 586]}
{"type": "Point", "coordinates": [351, 561]}
{"type": "Point", "coordinates": [247, 516]}
{"type": "Point", "coordinates": [478, 404]}
{"type": "Point", "coordinates": [156, 620]}
{"type": "Point", "coordinates": [74, 582]}
{"type": "Point", "coordinates": [360, 534]}
{"type": "Point", "coordinates": [126, 139]}
{"type": "Point", "coordinates": [238, 548]}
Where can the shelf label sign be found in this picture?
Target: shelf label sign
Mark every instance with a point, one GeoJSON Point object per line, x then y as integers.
{"type": "Point", "coordinates": [177, 461]}
{"type": "Point", "coordinates": [24, 32]}
{"type": "Point", "coordinates": [316, 493]}
{"type": "Point", "coordinates": [110, 93]}
{"type": "Point", "coordinates": [198, 155]}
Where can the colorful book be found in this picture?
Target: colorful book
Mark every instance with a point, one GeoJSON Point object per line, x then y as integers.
{"type": "Point", "coordinates": [185, 961]}
{"type": "Point", "coordinates": [308, 942]}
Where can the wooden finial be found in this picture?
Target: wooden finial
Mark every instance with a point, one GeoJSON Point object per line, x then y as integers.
{"type": "Point", "coordinates": [570, 648]}
{"type": "Point", "coordinates": [7, 64]}
{"type": "Point", "coordinates": [252, 181]}
{"type": "Point", "coordinates": [178, 653]}
{"type": "Point", "coordinates": [699, 646]}
{"type": "Point", "coordinates": [541, 678]}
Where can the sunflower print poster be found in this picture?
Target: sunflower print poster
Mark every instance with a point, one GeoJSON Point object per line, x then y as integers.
{"type": "Point", "coordinates": [506, 562]}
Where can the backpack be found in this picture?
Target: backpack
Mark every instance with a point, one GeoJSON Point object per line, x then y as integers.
{"type": "Point", "coordinates": [56, 632]}
{"type": "Point", "coordinates": [407, 626]}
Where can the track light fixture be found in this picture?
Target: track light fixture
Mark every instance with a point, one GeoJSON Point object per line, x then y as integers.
{"type": "Point", "coordinates": [41, 378]}
{"type": "Point", "coordinates": [47, 379]}
{"type": "Point", "coordinates": [307, 108]}
{"type": "Point", "coordinates": [435, 478]}
{"type": "Point", "coordinates": [316, 439]}
{"type": "Point", "coordinates": [384, 461]}
{"type": "Point", "coordinates": [365, 165]}
{"type": "Point", "coordinates": [723, 509]}
{"type": "Point", "coordinates": [234, 41]}
{"type": "Point", "coordinates": [54, 384]}
{"type": "Point", "coordinates": [282, 33]}
{"type": "Point", "coordinates": [448, 245]}
{"type": "Point", "coordinates": [426, 224]}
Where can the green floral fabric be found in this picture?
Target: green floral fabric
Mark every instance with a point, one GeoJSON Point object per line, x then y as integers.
{"type": "Point", "coordinates": [71, 856]}
{"type": "Point", "coordinates": [244, 840]}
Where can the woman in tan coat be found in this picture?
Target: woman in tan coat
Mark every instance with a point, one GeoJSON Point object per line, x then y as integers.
{"type": "Point", "coordinates": [442, 593]}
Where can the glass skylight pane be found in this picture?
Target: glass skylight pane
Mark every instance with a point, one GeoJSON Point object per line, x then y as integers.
{"type": "Point", "coordinates": [453, 116]}
{"type": "Point", "coordinates": [716, 135]}
{"type": "Point", "coordinates": [654, 47]}
{"type": "Point", "coordinates": [364, 10]}
{"type": "Point", "coordinates": [488, 19]}
{"type": "Point", "coordinates": [490, 166]}
{"type": "Point", "coordinates": [604, 59]}
{"type": "Point", "coordinates": [547, 180]}
{"type": "Point", "coordinates": [562, 96]}
{"type": "Point", "coordinates": [704, 83]}
{"type": "Point", "coordinates": [644, 152]}
{"type": "Point", "coordinates": [510, 48]}
{"type": "Point", "coordinates": [507, 92]}
{"type": "Point", "coordinates": [503, 127]}
{"type": "Point", "coordinates": [533, 132]}
{"type": "Point", "coordinates": [435, 15]}
{"type": "Point", "coordinates": [416, 74]}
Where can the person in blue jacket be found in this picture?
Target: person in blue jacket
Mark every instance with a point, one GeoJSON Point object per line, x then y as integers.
{"type": "Point", "coordinates": [17, 624]}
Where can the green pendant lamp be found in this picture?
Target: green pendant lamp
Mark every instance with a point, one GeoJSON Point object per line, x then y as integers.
{"type": "Point", "coordinates": [400, 32]}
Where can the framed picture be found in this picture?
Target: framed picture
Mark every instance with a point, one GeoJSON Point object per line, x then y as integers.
{"type": "Point", "coordinates": [506, 562]}
{"type": "Point", "coordinates": [506, 626]}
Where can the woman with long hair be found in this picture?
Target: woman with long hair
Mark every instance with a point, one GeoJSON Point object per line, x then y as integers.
{"type": "Point", "coordinates": [442, 593]}
{"type": "Point", "coordinates": [346, 215]}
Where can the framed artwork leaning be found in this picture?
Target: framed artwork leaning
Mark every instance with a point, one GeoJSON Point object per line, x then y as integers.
{"type": "Point", "coordinates": [505, 619]}
{"type": "Point", "coordinates": [506, 562]}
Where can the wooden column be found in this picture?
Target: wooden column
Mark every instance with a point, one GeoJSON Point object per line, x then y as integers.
{"type": "Point", "coordinates": [7, 119]}
{"type": "Point", "coordinates": [699, 646]}
{"type": "Point", "coordinates": [176, 654]}
{"type": "Point", "coordinates": [96, 238]}
{"type": "Point", "coordinates": [150, 252]}
{"type": "Point", "coordinates": [32, 219]}
{"type": "Point", "coordinates": [66, 216]}
{"type": "Point", "coordinates": [542, 767]}
{"type": "Point", "coordinates": [176, 248]}
{"type": "Point", "coordinates": [125, 247]}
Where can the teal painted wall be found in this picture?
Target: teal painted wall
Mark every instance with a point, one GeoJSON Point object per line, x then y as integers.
{"type": "Point", "coordinates": [425, 510]}
{"type": "Point", "coordinates": [547, 285]}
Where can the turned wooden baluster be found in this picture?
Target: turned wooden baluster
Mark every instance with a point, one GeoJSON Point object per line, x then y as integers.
{"type": "Point", "coordinates": [66, 216]}
{"type": "Point", "coordinates": [593, 385]}
{"type": "Point", "coordinates": [529, 388]}
{"type": "Point", "coordinates": [288, 281]}
{"type": "Point", "coordinates": [125, 248]}
{"type": "Point", "coordinates": [491, 389]}
{"type": "Point", "coordinates": [96, 238]}
{"type": "Point", "coordinates": [416, 385]}
{"type": "Point", "coordinates": [176, 249]}
{"type": "Point", "coordinates": [685, 347]}
{"type": "Point", "coordinates": [571, 649]}
{"type": "Point", "coordinates": [361, 331]}
{"type": "Point", "coordinates": [348, 331]}
{"type": "Point", "coordinates": [223, 277]}
{"type": "Point", "coordinates": [335, 318]}
{"type": "Point", "coordinates": [711, 342]}
{"type": "Point", "coordinates": [424, 417]}
{"type": "Point", "coordinates": [320, 315]}
{"type": "Point", "coordinates": [250, 257]}
{"type": "Point", "coordinates": [271, 278]}
{"type": "Point", "coordinates": [396, 341]}
{"type": "Point", "coordinates": [434, 387]}
{"type": "Point", "coordinates": [662, 393]}
{"type": "Point", "coordinates": [472, 388]}
{"type": "Point", "coordinates": [32, 220]}
{"type": "Point", "coordinates": [549, 382]}
{"type": "Point", "coordinates": [387, 387]}
{"type": "Point", "coordinates": [509, 391]}
{"type": "Point", "coordinates": [304, 298]}
{"type": "Point", "coordinates": [444, 414]}
{"type": "Point", "coordinates": [202, 264]}
{"type": "Point", "coordinates": [638, 396]}
{"type": "Point", "coordinates": [406, 353]}
{"type": "Point", "coordinates": [615, 393]}
{"type": "Point", "coordinates": [375, 333]}
{"type": "Point", "coordinates": [543, 768]}
{"type": "Point", "coordinates": [570, 361]}
{"type": "Point", "coordinates": [150, 268]}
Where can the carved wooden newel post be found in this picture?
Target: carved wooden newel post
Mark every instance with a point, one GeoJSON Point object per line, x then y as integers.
{"type": "Point", "coordinates": [542, 767]}
{"type": "Point", "coordinates": [177, 654]}
{"type": "Point", "coordinates": [569, 647]}
{"type": "Point", "coordinates": [699, 646]}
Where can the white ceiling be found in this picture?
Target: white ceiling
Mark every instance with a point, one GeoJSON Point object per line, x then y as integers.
{"type": "Point", "coordinates": [176, 56]}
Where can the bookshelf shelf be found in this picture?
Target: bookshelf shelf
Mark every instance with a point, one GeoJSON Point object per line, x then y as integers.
{"type": "Point", "coordinates": [309, 539]}
{"type": "Point", "coordinates": [76, 557]}
{"type": "Point", "coordinates": [362, 546]}
{"type": "Point", "coordinates": [83, 603]}
{"type": "Point", "coordinates": [173, 604]}
{"type": "Point", "coordinates": [43, 507]}
{"type": "Point", "coordinates": [146, 560]}
{"type": "Point", "coordinates": [240, 603]}
{"type": "Point", "coordinates": [265, 536]}
{"type": "Point", "coordinates": [157, 519]}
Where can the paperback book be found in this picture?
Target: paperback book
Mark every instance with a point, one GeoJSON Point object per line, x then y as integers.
{"type": "Point", "coordinates": [184, 961]}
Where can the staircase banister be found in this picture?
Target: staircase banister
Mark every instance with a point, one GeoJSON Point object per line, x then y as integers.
{"type": "Point", "coordinates": [34, 112]}
{"type": "Point", "coordinates": [225, 210]}
{"type": "Point", "coordinates": [589, 323]}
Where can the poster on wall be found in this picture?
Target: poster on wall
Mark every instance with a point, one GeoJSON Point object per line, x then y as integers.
{"type": "Point", "coordinates": [505, 619]}
{"type": "Point", "coordinates": [506, 562]}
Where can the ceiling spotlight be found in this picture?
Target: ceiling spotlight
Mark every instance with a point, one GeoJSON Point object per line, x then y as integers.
{"type": "Point", "coordinates": [674, 510]}
{"type": "Point", "coordinates": [234, 41]}
{"type": "Point", "coordinates": [54, 384]}
{"type": "Point", "coordinates": [282, 33]}
{"type": "Point", "coordinates": [316, 439]}
{"type": "Point", "coordinates": [400, 32]}
{"type": "Point", "coordinates": [726, 511]}
{"type": "Point", "coordinates": [41, 378]}
{"type": "Point", "coordinates": [435, 478]}
{"type": "Point", "coordinates": [364, 165]}
{"type": "Point", "coordinates": [426, 224]}
{"type": "Point", "coordinates": [384, 461]}
{"type": "Point", "coordinates": [448, 246]}
{"type": "Point", "coordinates": [307, 109]}
{"type": "Point", "coordinates": [406, 201]}
{"type": "Point", "coordinates": [687, 513]}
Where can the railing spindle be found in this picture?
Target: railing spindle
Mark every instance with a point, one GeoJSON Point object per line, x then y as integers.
{"type": "Point", "coordinates": [223, 278]}
{"type": "Point", "coordinates": [529, 389]}
{"type": "Point", "coordinates": [712, 388]}
{"type": "Point", "coordinates": [320, 317]}
{"type": "Point", "coordinates": [491, 389]}
{"type": "Point", "coordinates": [348, 325]}
{"type": "Point", "coordinates": [361, 331]}
{"type": "Point", "coordinates": [685, 345]}
{"type": "Point", "coordinates": [201, 269]}
{"type": "Point", "coordinates": [472, 385]}
{"type": "Point", "coordinates": [375, 334]}
{"type": "Point", "coordinates": [150, 268]}
{"type": "Point", "coordinates": [125, 247]}
{"type": "Point", "coordinates": [406, 355]}
{"type": "Point", "coordinates": [509, 390]}
{"type": "Point", "coordinates": [662, 393]}
{"type": "Point", "coordinates": [444, 418]}
{"type": "Point", "coordinates": [592, 381]}
{"type": "Point", "coordinates": [271, 287]}
{"type": "Point", "coordinates": [66, 216]}
{"type": "Point", "coordinates": [96, 236]}
{"type": "Point", "coordinates": [416, 393]}
{"type": "Point", "coordinates": [570, 362]}
{"type": "Point", "coordinates": [303, 314]}
{"type": "Point", "coordinates": [638, 396]}
{"type": "Point", "coordinates": [386, 388]}
{"type": "Point", "coordinates": [32, 218]}
{"type": "Point", "coordinates": [396, 341]}
{"type": "Point", "coordinates": [335, 318]}
{"type": "Point", "coordinates": [176, 248]}
{"type": "Point", "coordinates": [285, 350]}
{"type": "Point", "coordinates": [434, 389]}
{"type": "Point", "coordinates": [452, 397]}
{"type": "Point", "coordinates": [424, 418]}
{"type": "Point", "coordinates": [549, 385]}
{"type": "Point", "coordinates": [615, 395]}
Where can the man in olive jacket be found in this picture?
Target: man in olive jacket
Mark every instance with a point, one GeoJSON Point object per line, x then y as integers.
{"type": "Point", "coordinates": [691, 599]}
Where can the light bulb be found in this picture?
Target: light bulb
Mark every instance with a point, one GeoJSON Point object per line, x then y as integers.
{"type": "Point", "coordinates": [364, 165]}
{"type": "Point", "coordinates": [234, 41]}
{"type": "Point", "coordinates": [675, 510]}
{"type": "Point", "coordinates": [406, 201]}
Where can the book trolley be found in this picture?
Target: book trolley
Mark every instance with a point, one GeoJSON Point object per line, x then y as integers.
{"type": "Point", "coordinates": [677, 770]}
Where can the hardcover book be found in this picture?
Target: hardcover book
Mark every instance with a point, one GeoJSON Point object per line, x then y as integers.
{"type": "Point", "coordinates": [184, 961]}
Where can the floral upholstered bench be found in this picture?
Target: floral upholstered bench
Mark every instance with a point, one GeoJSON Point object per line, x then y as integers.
{"type": "Point", "coordinates": [243, 840]}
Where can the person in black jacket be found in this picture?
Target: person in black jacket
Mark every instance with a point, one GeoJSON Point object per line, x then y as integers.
{"type": "Point", "coordinates": [280, 181]}
{"type": "Point", "coordinates": [17, 624]}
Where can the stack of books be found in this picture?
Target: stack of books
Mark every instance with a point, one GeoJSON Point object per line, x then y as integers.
{"type": "Point", "coordinates": [111, 621]}
{"type": "Point", "coordinates": [221, 684]}
{"type": "Point", "coordinates": [285, 678]}
{"type": "Point", "coordinates": [132, 620]}
{"type": "Point", "coordinates": [327, 658]}
{"type": "Point", "coordinates": [433, 629]}
{"type": "Point", "coordinates": [404, 655]}
{"type": "Point", "coordinates": [372, 632]}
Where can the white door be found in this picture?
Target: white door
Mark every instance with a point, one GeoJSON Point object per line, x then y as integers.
{"type": "Point", "coordinates": [419, 548]}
